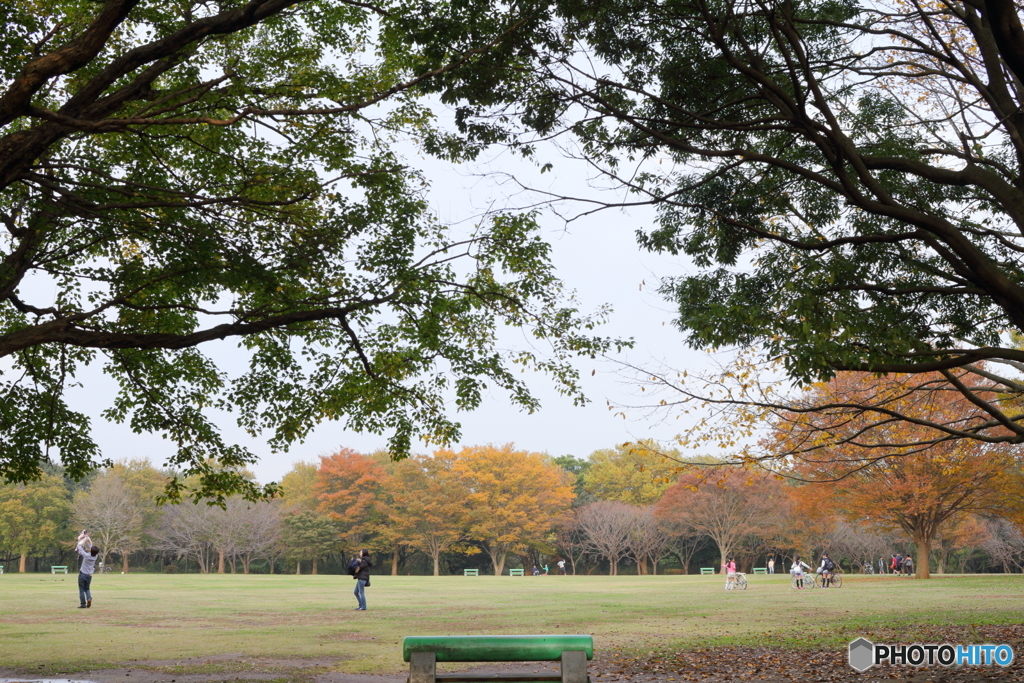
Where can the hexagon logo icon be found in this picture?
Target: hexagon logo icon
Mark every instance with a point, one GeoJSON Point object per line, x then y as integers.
{"type": "Point", "coordinates": [862, 654]}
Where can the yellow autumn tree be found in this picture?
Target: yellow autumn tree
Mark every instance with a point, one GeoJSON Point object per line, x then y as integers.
{"type": "Point", "coordinates": [637, 473]}
{"type": "Point", "coordinates": [514, 499]}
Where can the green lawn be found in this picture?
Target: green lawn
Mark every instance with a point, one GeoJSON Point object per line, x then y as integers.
{"type": "Point", "coordinates": [164, 617]}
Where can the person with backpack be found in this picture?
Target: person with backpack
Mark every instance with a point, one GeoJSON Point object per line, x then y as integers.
{"type": "Point", "coordinates": [825, 569]}
{"type": "Point", "coordinates": [360, 568]}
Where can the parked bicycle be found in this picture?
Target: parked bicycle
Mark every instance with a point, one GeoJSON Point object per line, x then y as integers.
{"type": "Point", "coordinates": [802, 581]}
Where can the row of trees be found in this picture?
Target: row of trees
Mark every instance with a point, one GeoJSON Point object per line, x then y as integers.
{"type": "Point", "coordinates": [954, 505]}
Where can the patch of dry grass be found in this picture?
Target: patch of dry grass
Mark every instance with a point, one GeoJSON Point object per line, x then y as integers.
{"type": "Point", "coordinates": [143, 617]}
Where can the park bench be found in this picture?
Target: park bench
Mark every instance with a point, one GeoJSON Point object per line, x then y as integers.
{"type": "Point", "coordinates": [1, 569]}
{"type": "Point", "coordinates": [760, 570]}
{"type": "Point", "coordinates": [572, 651]}
{"type": "Point", "coordinates": [471, 572]}
{"type": "Point", "coordinates": [515, 572]}
{"type": "Point", "coordinates": [707, 570]}
{"type": "Point", "coordinates": [57, 569]}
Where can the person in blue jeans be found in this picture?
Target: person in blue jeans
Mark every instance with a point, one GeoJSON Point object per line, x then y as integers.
{"type": "Point", "coordinates": [362, 577]}
{"type": "Point", "coordinates": [89, 553]}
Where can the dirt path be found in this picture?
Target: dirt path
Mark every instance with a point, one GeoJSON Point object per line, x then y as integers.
{"type": "Point", "coordinates": [708, 665]}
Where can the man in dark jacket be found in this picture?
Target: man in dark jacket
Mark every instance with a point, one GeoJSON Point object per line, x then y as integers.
{"type": "Point", "coordinates": [362, 577]}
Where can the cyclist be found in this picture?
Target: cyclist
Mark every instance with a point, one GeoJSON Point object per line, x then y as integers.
{"type": "Point", "coordinates": [797, 570]}
{"type": "Point", "coordinates": [826, 568]}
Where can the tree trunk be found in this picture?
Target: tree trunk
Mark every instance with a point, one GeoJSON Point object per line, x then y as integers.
{"type": "Point", "coordinates": [498, 559]}
{"type": "Point", "coordinates": [298, 567]}
{"type": "Point", "coordinates": [124, 563]}
{"type": "Point", "coordinates": [315, 565]}
{"type": "Point", "coordinates": [394, 562]}
{"type": "Point", "coordinates": [924, 551]}
{"type": "Point", "coordinates": [220, 561]}
{"type": "Point", "coordinates": [22, 567]}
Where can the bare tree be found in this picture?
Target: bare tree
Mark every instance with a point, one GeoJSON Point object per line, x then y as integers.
{"type": "Point", "coordinates": [571, 540]}
{"type": "Point", "coordinates": [1005, 545]}
{"type": "Point", "coordinates": [261, 533]}
{"type": "Point", "coordinates": [739, 507]}
{"type": "Point", "coordinates": [185, 531]}
{"type": "Point", "coordinates": [113, 515]}
{"type": "Point", "coordinates": [648, 539]}
{"type": "Point", "coordinates": [606, 526]}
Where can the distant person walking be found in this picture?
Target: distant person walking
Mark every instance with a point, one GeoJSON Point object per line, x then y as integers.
{"type": "Point", "coordinates": [908, 565]}
{"type": "Point", "coordinates": [771, 565]}
{"type": "Point", "coordinates": [881, 565]}
{"type": "Point", "coordinates": [88, 552]}
{"type": "Point", "coordinates": [362, 577]}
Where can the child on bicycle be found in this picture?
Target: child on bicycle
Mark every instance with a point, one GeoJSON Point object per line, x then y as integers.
{"type": "Point", "coordinates": [797, 570]}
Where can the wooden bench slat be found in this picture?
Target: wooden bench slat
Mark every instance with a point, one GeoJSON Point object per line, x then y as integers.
{"type": "Point", "coordinates": [545, 648]}
{"type": "Point", "coordinates": [503, 678]}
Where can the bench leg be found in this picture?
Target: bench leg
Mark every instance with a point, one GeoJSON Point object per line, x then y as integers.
{"type": "Point", "coordinates": [574, 667]}
{"type": "Point", "coordinates": [422, 667]}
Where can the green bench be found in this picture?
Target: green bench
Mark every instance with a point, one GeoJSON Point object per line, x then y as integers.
{"type": "Point", "coordinates": [760, 570]}
{"type": "Point", "coordinates": [57, 569]}
{"type": "Point", "coordinates": [707, 570]}
{"type": "Point", "coordinates": [424, 652]}
{"type": "Point", "coordinates": [471, 572]}
{"type": "Point", "coordinates": [515, 572]}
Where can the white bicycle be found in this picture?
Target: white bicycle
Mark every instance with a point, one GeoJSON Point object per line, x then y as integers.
{"type": "Point", "coordinates": [739, 581]}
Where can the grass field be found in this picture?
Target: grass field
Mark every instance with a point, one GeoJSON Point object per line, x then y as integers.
{"type": "Point", "coordinates": [166, 617]}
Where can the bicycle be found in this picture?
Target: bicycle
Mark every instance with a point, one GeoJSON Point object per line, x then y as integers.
{"type": "Point", "coordinates": [806, 579]}
{"type": "Point", "coordinates": [837, 579]}
{"type": "Point", "coordinates": [740, 581]}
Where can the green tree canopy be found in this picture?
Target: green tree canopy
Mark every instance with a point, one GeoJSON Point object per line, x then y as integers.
{"type": "Point", "coordinates": [847, 178]}
{"type": "Point", "coordinates": [177, 174]}
{"type": "Point", "coordinates": [33, 517]}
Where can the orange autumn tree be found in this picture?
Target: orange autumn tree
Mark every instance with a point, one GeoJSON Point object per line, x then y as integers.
{"type": "Point", "coordinates": [351, 489]}
{"type": "Point", "coordinates": [429, 505]}
{"type": "Point", "coordinates": [892, 473]}
{"type": "Point", "coordinates": [514, 498]}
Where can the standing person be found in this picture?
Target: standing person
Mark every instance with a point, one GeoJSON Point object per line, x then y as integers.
{"type": "Point", "coordinates": [362, 577]}
{"type": "Point", "coordinates": [561, 567]}
{"type": "Point", "coordinates": [892, 567]}
{"type": "Point", "coordinates": [899, 564]}
{"type": "Point", "coordinates": [908, 565]}
{"type": "Point", "coordinates": [88, 552]}
{"type": "Point", "coordinates": [797, 570]}
{"type": "Point", "coordinates": [730, 573]}
{"type": "Point", "coordinates": [825, 569]}
{"type": "Point", "coordinates": [881, 565]}
{"type": "Point", "coordinates": [771, 565]}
